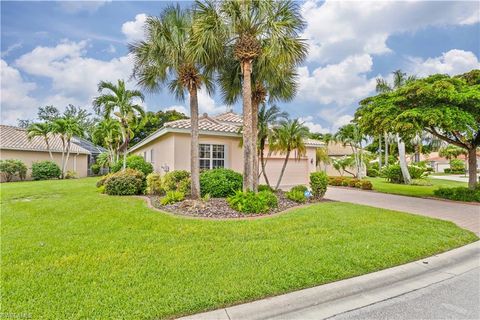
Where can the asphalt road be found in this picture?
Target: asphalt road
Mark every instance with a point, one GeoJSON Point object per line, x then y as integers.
{"type": "Point", "coordinates": [456, 298]}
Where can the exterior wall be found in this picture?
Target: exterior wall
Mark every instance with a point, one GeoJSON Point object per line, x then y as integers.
{"type": "Point", "coordinates": [173, 150]}
{"type": "Point", "coordinates": [76, 162]}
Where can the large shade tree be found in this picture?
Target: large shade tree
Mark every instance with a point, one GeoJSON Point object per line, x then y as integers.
{"type": "Point", "coordinates": [165, 59]}
{"type": "Point", "coordinates": [250, 36]}
{"type": "Point", "coordinates": [116, 99]}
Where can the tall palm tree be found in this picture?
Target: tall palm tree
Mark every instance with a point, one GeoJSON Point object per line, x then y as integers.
{"type": "Point", "coordinates": [400, 79]}
{"type": "Point", "coordinates": [165, 59]}
{"type": "Point", "coordinates": [290, 135]}
{"type": "Point", "coordinates": [267, 119]}
{"type": "Point", "coordinates": [263, 33]}
{"type": "Point", "coordinates": [41, 129]}
{"type": "Point", "coordinates": [119, 101]}
{"type": "Point", "coordinates": [108, 134]}
{"type": "Point", "coordinates": [66, 128]}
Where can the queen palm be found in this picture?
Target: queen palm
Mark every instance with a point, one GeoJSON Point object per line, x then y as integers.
{"type": "Point", "coordinates": [163, 59]}
{"type": "Point", "coordinates": [119, 101]}
{"type": "Point", "coordinates": [41, 129]}
{"type": "Point", "coordinates": [400, 79]}
{"type": "Point", "coordinates": [290, 135]}
{"type": "Point", "coordinates": [66, 128]}
{"type": "Point", "coordinates": [108, 134]}
{"type": "Point", "coordinates": [252, 32]}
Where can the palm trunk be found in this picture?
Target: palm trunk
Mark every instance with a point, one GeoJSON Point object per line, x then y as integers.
{"type": "Point", "coordinates": [124, 138]}
{"type": "Point", "coordinates": [262, 160]}
{"type": "Point", "coordinates": [194, 145]}
{"type": "Point", "coordinates": [247, 126]}
{"type": "Point", "coordinates": [283, 170]}
{"type": "Point", "coordinates": [472, 168]}
{"type": "Point", "coordinates": [380, 152]}
{"type": "Point", "coordinates": [403, 160]}
{"type": "Point", "coordinates": [48, 148]}
{"type": "Point", "coordinates": [386, 149]}
{"type": "Point", "coordinates": [63, 157]}
{"type": "Point", "coordinates": [68, 155]}
{"type": "Point", "coordinates": [254, 147]}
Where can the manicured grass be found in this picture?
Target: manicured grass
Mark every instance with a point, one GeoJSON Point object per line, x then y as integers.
{"type": "Point", "coordinates": [69, 252]}
{"type": "Point", "coordinates": [381, 185]}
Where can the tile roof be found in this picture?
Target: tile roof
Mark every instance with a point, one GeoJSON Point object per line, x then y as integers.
{"type": "Point", "coordinates": [205, 123]}
{"type": "Point", "coordinates": [314, 143]}
{"type": "Point", "coordinates": [230, 116]}
{"type": "Point", "coordinates": [14, 138]}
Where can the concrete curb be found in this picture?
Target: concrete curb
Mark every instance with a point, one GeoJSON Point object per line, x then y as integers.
{"type": "Point", "coordinates": [338, 297]}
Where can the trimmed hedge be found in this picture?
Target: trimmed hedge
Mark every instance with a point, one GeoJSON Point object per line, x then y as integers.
{"type": "Point", "coordinates": [350, 182]}
{"type": "Point", "coordinates": [220, 183]}
{"type": "Point", "coordinates": [45, 170]}
{"type": "Point", "coordinates": [123, 183]}
{"type": "Point", "coordinates": [318, 184]}
{"type": "Point", "coordinates": [459, 194]}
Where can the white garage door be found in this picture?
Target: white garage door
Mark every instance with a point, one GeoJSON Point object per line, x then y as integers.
{"type": "Point", "coordinates": [296, 172]}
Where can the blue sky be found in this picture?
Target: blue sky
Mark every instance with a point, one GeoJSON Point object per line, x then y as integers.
{"type": "Point", "coordinates": [56, 52]}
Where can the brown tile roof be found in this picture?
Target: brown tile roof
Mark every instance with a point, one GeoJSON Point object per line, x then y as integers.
{"type": "Point", "coordinates": [205, 123]}
{"type": "Point", "coordinates": [14, 138]}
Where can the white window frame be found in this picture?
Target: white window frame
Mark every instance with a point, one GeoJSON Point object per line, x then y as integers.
{"type": "Point", "coordinates": [211, 158]}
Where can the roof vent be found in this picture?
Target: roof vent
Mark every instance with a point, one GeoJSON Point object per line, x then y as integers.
{"type": "Point", "coordinates": [205, 115]}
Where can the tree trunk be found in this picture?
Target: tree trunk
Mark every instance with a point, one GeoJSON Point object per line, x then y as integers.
{"type": "Point", "coordinates": [63, 156]}
{"type": "Point", "coordinates": [417, 153]}
{"type": "Point", "coordinates": [283, 169]}
{"type": "Point", "coordinates": [386, 149]}
{"type": "Point", "coordinates": [247, 126]}
{"type": "Point", "coordinates": [254, 146]}
{"type": "Point", "coordinates": [66, 158]}
{"type": "Point", "coordinates": [124, 138]}
{"type": "Point", "coordinates": [403, 160]}
{"type": "Point", "coordinates": [194, 145]}
{"type": "Point", "coordinates": [379, 152]}
{"type": "Point", "coordinates": [472, 168]}
{"type": "Point", "coordinates": [262, 160]}
{"type": "Point", "coordinates": [48, 148]}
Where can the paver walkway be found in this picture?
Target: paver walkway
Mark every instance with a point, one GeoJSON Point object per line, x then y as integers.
{"type": "Point", "coordinates": [464, 215]}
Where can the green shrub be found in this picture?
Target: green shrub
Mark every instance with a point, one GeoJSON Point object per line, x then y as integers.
{"type": "Point", "coordinates": [372, 172]}
{"type": "Point", "coordinates": [335, 181]}
{"type": "Point", "coordinates": [175, 180]}
{"type": "Point", "coordinates": [220, 183]}
{"type": "Point", "coordinates": [353, 182]}
{"type": "Point", "coordinates": [251, 202]}
{"type": "Point", "coordinates": [128, 182]}
{"type": "Point", "coordinates": [102, 180]}
{"type": "Point", "coordinates": [318, 184]}
{"type": "Point", "coordinates": [459, 194]}
{"type": "Point", "coordinates": [154, 184]}
{"type": "Point", "coordinates": [366, 185]}
{"type": "Point", "coordinates": [300, 187]}
{"type": "Point", "coordinates": [134, 162]}
{"type": "Point", "coordinates": [345, 182]}
{"type": "Point", "coordinates": [393, 173]}
{"type": "Point", "coordinates": [457, 165]}
{"type": "Point", "coordinates": [71, 175]}
{"type": "Point", "coordinates": [265, 187]}
{"type": "Point", "coordinates": [45, 170]}
{"type": "Point", "coordinates": [172, 197]}
{"type": "Point", "coordinates": [95, 168]}
{"type": "Point", "coordinates": [416, 172]}
{"type": "Point", "coordinates": [296, 195]}
{"type": "Point", "coordinates": [11, 168]}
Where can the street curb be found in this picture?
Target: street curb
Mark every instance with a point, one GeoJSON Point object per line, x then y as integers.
{"type": "Point", "coordinates": [331, 299]}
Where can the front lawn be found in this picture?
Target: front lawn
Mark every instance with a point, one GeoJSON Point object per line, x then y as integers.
{"type": "Point", "coordinates": [382, 185]}
{"type": "Point", "coordinates": [69, 252]}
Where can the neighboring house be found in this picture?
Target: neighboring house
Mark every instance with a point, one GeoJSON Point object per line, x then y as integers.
{"type": "Point", "coordinates": [94, 150]}
{"type": "Point", "coordinates": [337, 150]}
{"type": "Point", "coordinates": [439, 164]}
{"type": "Point", "coordinates": [169, 149]}
{"type": "Point", "coordinates": [14, 144]}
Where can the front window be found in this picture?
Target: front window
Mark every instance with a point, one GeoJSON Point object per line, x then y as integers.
{"type": "Point", "coordinates": [212, 156]}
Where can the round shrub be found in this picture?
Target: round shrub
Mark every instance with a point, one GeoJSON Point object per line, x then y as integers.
{"type": "Point", "coordinates": [318, 184]}
{"type": "Point", "coordinates": [176, 180]}
{"type": "Point", "coordinates": [366, 185]}
{"type": "Point", "coordinates": [45, 170]}
{"type": "Point", "coordinates": [265, 187]}
{"type": "Point", "coordinates": [372, 172]}
{"type": "Point", "coordinates": [95, 168]}
{"type": "Point", "coordinates": [123, 183]}
{"type": "Point", "coordinates": [101, 182]}
{"type": "Point", "coordinates": [220, 183]}
{"type": "Point", "coordinates": [251, 202]}
{"type": "Point", "coordinates": [154, 184]}
{"type": "Point", "coordinates": [393, 173]}
{"type": "Point", "coordinates": [296, 195]}
{"type": "Point", "coordinates": [134, 162]}
{"type": "Point", "coordinates": [11, 168]}
{"type": "Point", "coordinates": [300, 188]}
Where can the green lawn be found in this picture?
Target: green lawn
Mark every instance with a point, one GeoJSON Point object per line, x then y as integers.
{"type": "Point", "coordinates": [69, 252]}
{"type": "Point", "coordinates": [381, 185]}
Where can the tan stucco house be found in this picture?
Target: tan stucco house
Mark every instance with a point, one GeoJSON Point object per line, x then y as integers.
{"type": "Point", "coordinates": [169, 149]}
{"type": "Point", "coordinates": [14, 144]}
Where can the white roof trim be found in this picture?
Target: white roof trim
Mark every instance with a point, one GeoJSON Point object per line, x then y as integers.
{"type": "Point", "coordinates": [44, 150]}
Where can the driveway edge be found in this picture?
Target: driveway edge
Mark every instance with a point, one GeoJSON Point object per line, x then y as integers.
{"type": "Point", "coordinates": [338, 297]}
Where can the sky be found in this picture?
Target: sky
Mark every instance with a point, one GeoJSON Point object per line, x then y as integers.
{"type": "Point", "coordinates": [55, 53]}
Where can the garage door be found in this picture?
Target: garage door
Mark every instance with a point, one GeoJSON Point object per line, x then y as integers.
{"type": "Point", "coordinates": [296, 172]}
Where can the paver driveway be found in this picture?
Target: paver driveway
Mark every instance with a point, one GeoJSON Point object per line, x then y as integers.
{"type": "Point", "coordinates": [464, 215]}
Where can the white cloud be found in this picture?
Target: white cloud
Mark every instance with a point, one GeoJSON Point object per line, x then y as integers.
{"type": "Point", "coordinates": [452, 62]}
{"type": "Point", "coordinates": [110, 49]}
{"type": "Point", "coordinates": [11, 48]}
{"type": "Point", "coordinates": [342, 83]}
{"type": "Point", "coordinates": [310, 124]}
{"type": "Point", "coordinates": [338, 29]}
{"type": "Point", "coordinates": [206, 104]}
{"type": "Point", "coordinates": [15, 99]}
{"type": "Point", "coordinates": [133, 30]}
{"type": "Point", "coordinates": [74, 77]}
{"type": "Point", "coordinates": [181, 109]}
{"type": "Point", "coordinates": [79, 6]}
{"type": "Point", "coordinates": [341, 121]}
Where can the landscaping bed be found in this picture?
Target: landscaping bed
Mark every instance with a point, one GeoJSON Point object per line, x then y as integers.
{"type": "Point", "coordinates": [219, 207]}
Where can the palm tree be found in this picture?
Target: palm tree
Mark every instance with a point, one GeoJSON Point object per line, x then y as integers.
{"type": "Point", "coordinates": [351, 135]}
{"type": "Point", "coordinates": [400, 79]}
{"type": "Point", "coordinates": [322, 156]}
{"type": "Point", "coordinates": [290, 135]}
{"type": "Point", "coordinates": [267, 118]}
{"type": "Point", "coordinates": [66, 128]}
{"type": "Point", "coordinates": [108, 134]}
{"type": "Point", "coordinates": [164, 59]}
{"type": "Point", "coordinates": [41, 129]}
{"type": "Point", "coordinates": [119, 101]}
{"type": "Point", "coordinates": [242, 35]}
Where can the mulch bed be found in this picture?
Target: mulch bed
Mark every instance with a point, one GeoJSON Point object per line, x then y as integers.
{"type": "Point", "coordinates": [219, 208]}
